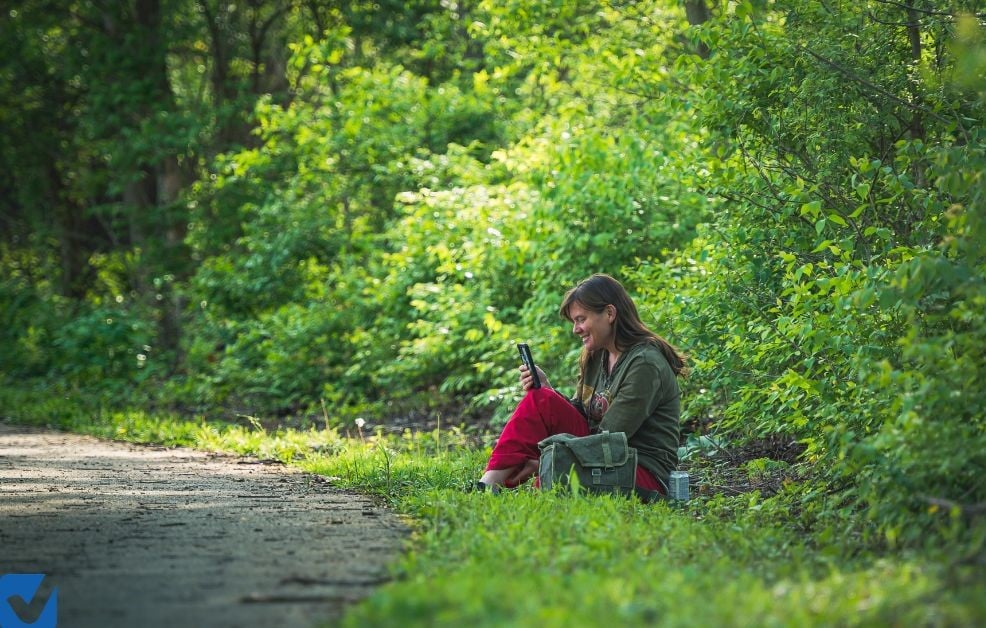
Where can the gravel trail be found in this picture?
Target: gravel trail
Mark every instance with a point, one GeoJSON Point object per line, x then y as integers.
{"type": "Point", "coordinates": [136, 535]}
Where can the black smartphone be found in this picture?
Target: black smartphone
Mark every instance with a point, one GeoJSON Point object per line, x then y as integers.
{"type": "Point", "coordinates": [528, 359]}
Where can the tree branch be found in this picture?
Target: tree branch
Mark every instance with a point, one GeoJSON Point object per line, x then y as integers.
{"type": "Point", "coordinates": [925, 11]}
{"type": "Point", "coordinates": [968, 510]}
{"type": "Point", "coordinates": [881, 91]}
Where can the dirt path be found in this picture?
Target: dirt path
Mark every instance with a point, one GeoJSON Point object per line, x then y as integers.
{"type": "Point", "coordinates": [149, 536]}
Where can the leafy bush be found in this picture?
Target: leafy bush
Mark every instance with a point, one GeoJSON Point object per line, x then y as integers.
{"type": "Point", "coordinates": [107, 347]}
{"type": "Point", "coordinates": [832, 297]}
{"type": "Point", "coordinates": [26, 328]}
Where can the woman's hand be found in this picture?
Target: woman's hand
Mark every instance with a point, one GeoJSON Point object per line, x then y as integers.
{"type": "Point", "coordinates": [527, 379]}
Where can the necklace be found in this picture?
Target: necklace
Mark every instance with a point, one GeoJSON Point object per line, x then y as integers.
{"type": "Point", "coordinates": [608, 369]}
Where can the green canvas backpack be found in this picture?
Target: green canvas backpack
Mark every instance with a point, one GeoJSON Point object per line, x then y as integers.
{"type": "Point", "coordinates": [603, 463]}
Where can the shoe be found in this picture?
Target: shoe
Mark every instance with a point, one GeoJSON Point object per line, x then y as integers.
{"type": "Point", "coordinates": [482, 487]}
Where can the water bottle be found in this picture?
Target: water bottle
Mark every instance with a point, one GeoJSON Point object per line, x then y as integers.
{"type": "Point", "coordinates": [678, 485]}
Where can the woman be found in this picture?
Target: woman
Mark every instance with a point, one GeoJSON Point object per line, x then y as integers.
{"type": "Point", "coordinates": [627, 383]}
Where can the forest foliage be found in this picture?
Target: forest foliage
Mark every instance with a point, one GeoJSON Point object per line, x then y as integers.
{"type": "Point", "coordinates": [357, 209]}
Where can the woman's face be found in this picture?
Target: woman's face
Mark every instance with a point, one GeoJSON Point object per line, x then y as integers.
{"type": "Point", "coordinates": [596, 329]}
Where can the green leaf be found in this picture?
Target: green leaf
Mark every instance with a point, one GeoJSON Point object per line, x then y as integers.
{"type": "Point", "coordinates": [813, 208]}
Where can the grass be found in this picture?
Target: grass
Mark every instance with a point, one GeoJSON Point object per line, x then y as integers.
{"type": "Point", "coordinates": [531, 558]}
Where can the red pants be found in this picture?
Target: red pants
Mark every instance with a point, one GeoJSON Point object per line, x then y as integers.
{"type": "Point", "coordinates": [540, 414]}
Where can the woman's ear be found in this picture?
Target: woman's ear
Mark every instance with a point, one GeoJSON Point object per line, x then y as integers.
{"type": "Point", "coordinates": [611, 313]}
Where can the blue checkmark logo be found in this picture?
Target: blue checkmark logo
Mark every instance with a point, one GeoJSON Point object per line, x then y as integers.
{"type": "Point", "coordinates": [25, 586]}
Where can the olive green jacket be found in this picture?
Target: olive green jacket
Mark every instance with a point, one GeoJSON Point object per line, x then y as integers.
{"type": "Point", "coordinates": [640, 397]}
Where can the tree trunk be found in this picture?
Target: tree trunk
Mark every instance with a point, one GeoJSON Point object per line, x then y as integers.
{"type": "Point", "coordinates": [153, 196]}
{"type": "Point", "coordinates": [698, 13]}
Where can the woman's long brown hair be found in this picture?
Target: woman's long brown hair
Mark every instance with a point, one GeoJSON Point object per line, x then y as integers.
{"type": "Point", "coordinates": [600, 290]}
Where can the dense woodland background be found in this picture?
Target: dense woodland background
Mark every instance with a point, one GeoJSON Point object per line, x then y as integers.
{"type": "Point", "coordinates": [335, 209]}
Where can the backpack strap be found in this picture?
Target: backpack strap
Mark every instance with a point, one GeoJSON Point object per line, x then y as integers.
{"type": "Point", "coordinates": [607, 453]}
